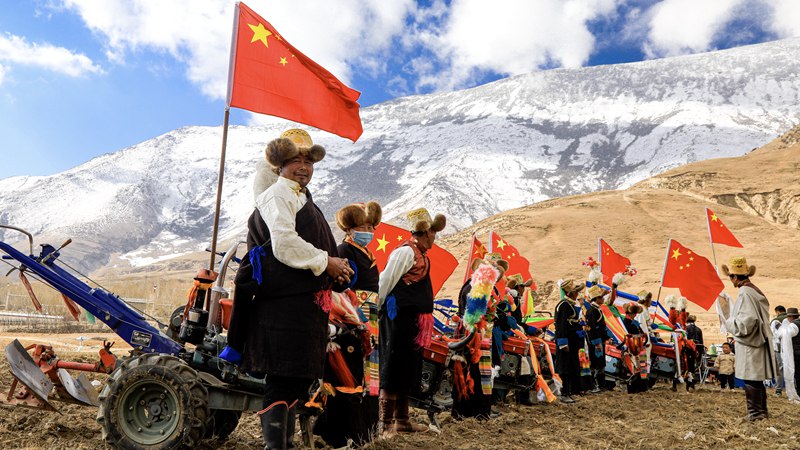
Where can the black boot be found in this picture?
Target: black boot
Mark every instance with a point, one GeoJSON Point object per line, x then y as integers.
{"type": "Point", "coordinates": [273, 426]}
{"type": "Point", "coordinates": [762, 400]}
{"type": "Point", "coordinates": [753, 403]}
{"type": "Point", "coordinates": [291, 419]}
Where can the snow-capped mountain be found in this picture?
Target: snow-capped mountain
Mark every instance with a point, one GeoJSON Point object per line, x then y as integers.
{"type": "Point", "coordinates": [468, 154]}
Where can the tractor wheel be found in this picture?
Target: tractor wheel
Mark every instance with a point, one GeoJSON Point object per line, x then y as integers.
{"type": "Point", "coordinates": [221, 423]}
{"type": "Point", "coordinates": [153, 402]}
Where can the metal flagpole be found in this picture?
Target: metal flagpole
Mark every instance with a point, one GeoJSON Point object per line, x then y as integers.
{"type": "Point", "coordinates": [600, 253]}
{"type": "Point", "coordinates": [231, 66]}
{"type": "Point", "coordinates": [663, 272]}
{"type": "Point", "coordinates": [469, 259]}
{"type": "Point", "coordinates": [491, 241]}
{"type": "Point", "coordinates": [713, 252]}
{"type": "Point", "coordinates": [219, 188]}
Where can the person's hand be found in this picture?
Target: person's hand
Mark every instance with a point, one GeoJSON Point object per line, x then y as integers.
{"type": "Point", "coordinates": [339, 269]}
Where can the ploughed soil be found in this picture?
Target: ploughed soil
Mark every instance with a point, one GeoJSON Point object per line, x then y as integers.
{"type": "Point", "coordinates": [659, 418]}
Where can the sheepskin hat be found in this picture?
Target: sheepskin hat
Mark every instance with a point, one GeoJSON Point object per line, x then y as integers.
{"type": "Point", "coordinates": [359, 214]}
{"type": "Point", "coordinates": [513, 281]}
{"type": "Point", "coordinates": [633, 308]}
{"type": "Point", "coordinates": [738, 266]}
{"type": "Point", "coordinates": [290, 144]}
{"type": "Point", "coordinates": [419, 220]}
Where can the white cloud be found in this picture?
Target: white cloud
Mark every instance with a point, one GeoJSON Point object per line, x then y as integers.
{"type": "Point", "coordinates": [786, 17]}
{"type": "Point", "coordinates": [16, 50]}
{"type": "Point", "coordinates": [336, 34]}
{"type": "Point", "coordinates": [513, 37]}
{"type": "Point", "coordinates": [686, 26]}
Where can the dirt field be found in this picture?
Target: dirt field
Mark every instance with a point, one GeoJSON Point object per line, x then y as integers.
{"type": "Point", "coordinates": [657, 419]}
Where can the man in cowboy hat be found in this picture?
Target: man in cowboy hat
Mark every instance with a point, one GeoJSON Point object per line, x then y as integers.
{"type": "Point", "coordinates": [283, 295]}
{"type": "Point", "coordinates": [405, 302]}
{"type": "Point", "coordinates": [569, 339]}
{"type": "Point", "coordinates": [598, 334]}
{"type": "Point", "coordinates": [749, 323]}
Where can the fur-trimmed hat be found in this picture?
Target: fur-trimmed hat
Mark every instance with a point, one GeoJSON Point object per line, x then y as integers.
{"type": "Point", "coordinates": [419, 220]}
{"type": "Point", "coordinates": [738, 266]}
{"type": "Point", "coordinates": [633, 308]}
{"type": "Point", "coordinates": [594, 292]}
{"type": "Point", "coordinates": [644, 294]}
{"type": "Point", "coordinates": [513, 281]}
{"type": "Point", "coordinates": [290, 144]}
{"type": "Point", "coordinates": [493, 259]}
{"type": "Point", "coordinates": [359, 214]}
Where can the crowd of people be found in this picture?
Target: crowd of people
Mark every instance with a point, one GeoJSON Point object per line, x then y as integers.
{"type": "Point", "coordinates": [283, 329]}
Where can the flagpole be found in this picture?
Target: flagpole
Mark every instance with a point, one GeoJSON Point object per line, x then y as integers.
{"type": "Point", "coordinates": [713, 252]}
{"type": "Point", "coordinates": [469, 259]}
{"type": "Point", "coordinates": [231, 64]}
{"type": "Point", "coordinates": [219, 188]}
{"type": "Point", "coordinates": [664, 272]}
{"type": "Point", "coordinates": [491, 241]}
{"type": "Point", "coordinates": [599, 253]}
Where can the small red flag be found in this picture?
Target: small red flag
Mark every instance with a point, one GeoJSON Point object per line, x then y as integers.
{"type": "Point", "coordinates": [611, 262]}
{"type": "Point", "coordinates": [517, 264]}
{"type": "Point", "coordinates": [692, 274]}
{"type": "Point", "coordinates": [269, 76]}
{"type": "Point", "coordinates": [476, 250]}
{"type": "Point", "coordinates": [719, 233]}
{"type": "Point", "coordinates": [388, 237]}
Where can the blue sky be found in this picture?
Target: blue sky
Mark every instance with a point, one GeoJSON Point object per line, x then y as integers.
{"type": "Point", "coordinates": [79, 78]}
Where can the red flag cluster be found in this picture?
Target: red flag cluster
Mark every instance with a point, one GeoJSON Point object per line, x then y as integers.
{"type": "Point", "coordinates": [517, 264]}
{"type": "Point", "coordinates": [268, 75]}
{"type": "Point", "coordinates": [388, 237]}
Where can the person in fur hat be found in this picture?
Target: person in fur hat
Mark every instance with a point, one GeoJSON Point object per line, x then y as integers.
{"type": "Point", "coordinates": [570, 338]}
{"type": "Point", "coordinates": [646, 322]}
{"type": "Point", "coordinates": [634, 336]}
{"type": "Point", "coordinates": [598, 334]}
{"type": "Point", "coordinates": [749, 323]}
{"type": "Point", "coordinates": [405, 305]}
{"type": "Point", "coordinates": [354, 416]}
{"type": "Point", "coordinates": [517, 288]}
{"type": "Point", "coordinates": [279, 324]}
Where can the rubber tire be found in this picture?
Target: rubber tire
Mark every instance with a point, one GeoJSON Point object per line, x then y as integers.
{"type": "Point", "coordinates": [192, 401]}
{"type": "Point", "coordinates": [221, 423]}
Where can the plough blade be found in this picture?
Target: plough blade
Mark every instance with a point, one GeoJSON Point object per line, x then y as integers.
{"type": "Point", "coordinates": [80, 389]}
{"type": "Point", "coordinates": [27, 373]}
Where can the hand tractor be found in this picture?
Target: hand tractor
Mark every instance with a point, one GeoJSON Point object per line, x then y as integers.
{"type": "Point", "coordinates": [172, 391]}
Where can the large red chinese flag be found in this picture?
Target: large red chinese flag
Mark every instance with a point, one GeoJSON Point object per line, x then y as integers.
{"type": "Point", "coordinates": [517, 264]}
{"type": "Point", "coordinates": [611, 262]}
{"type": "Point", "coordinates": [476, 250]}
{"type": "Point", "coordinates": [719, 233]}
{"type": "Point", "coordinates": [269, 76]}
{"type": "Point", "coordinates": [388, 237]}
{"type": "Point", "coordinates": [692, 274]}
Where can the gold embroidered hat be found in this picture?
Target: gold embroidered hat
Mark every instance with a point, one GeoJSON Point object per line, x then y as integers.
{"type": "Point", "coordinates": [738, 266]}
{"type": "Point", "coordinates": [290, 144]}
{"type": "Point", "coordinates": [420, 220]}
{"type": "Point", "coordinates": [595, 291]}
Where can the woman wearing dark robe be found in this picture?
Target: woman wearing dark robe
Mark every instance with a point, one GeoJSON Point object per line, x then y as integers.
{"type": "Point", "coordinates": [354, 416]}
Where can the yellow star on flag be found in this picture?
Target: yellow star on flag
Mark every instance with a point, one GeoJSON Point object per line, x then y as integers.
{"type": "Point", "coordinates": [399, 238]}
{"type": "Point", "coordinates": [713, 217]}
{"type": "Point", "coordinates": [283, 61]}
{"type": "Point", "coordinates": [501, 244]}
{"type": "Point", "coordinates": [676, 253]}
{"type": "Point", "coordinates": [260, 34]}
{"type": "Point", "coordinates": [382, 242]}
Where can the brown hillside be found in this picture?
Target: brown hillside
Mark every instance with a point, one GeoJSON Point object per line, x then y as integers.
{"type": "Point", "coordinates": [756, 195]}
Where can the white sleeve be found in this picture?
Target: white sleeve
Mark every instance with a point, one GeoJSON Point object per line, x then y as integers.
{"type": "Point", "coordinates": [287, 246]}
{"type": "Point", "coordinates": [400, 262]}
